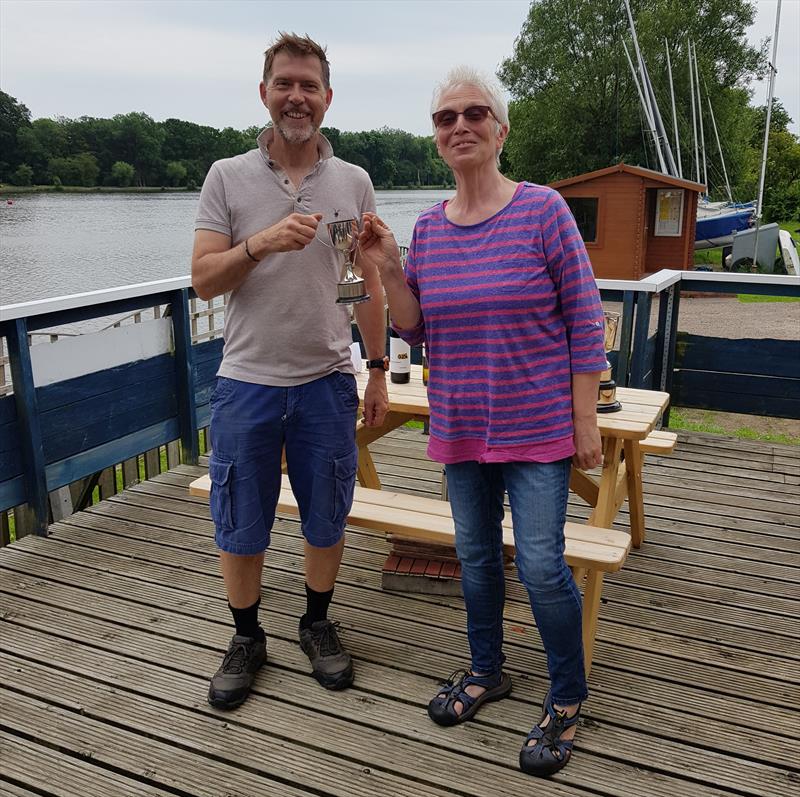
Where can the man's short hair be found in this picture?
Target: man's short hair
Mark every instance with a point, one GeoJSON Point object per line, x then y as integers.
{"type": "Point", "coordinates": [296, 45]}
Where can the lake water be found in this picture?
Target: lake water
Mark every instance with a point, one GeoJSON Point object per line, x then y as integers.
{"type": "Point", "coordinates": [59, 244]}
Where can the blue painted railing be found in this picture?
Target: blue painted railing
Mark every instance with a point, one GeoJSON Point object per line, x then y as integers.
{"type": "Point", "coordinates": [52, 435]}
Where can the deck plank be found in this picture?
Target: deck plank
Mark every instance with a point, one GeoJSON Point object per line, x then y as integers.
{"type": "Point", "coordinates": [110, 627]}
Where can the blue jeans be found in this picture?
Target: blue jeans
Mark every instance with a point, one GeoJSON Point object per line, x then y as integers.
{"type": "Point", "coordinates": [250, 425]}
{"type": "Point", "coordinates": [538, 494]}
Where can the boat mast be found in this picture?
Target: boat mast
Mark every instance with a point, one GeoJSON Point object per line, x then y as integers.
{"type": "Point", "coordinates": [662, 133]}
{"type": "Point", "coordinates": [674, 115]}
{"type": "Point", "coordinates": [694, 117]}
{"type": "Point", "coordinates": [719, 146]}
{"type": "Point", "coordinates": [772, 72]}
{"type": "Point", "coordinates": [654, 116]}
{"type": "Point", "coordinates": [647, 111]}
{"type": "Point", "coordinates": [700, 118]}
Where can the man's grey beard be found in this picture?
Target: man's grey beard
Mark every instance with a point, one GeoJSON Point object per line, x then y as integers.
{"type": "Point", "coordinates": [296, 135]}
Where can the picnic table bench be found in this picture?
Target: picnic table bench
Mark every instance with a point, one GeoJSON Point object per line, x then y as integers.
{"type": "Point", "coordinates": [590, 552]}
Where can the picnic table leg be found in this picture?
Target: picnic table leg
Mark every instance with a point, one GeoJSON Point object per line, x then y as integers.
{"type": "Point", "coordinates": [591, 609]}
{"type": "Point", "coordinates": [606, 508]}
{"type": "Point", "coordinates": [633, 474]}
{"type": "Point", "coordinates": [367, 474]}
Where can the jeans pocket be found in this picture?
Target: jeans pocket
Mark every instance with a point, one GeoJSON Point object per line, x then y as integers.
{"type": "Point", "coordinates": [344, 481]}
{"type": "Point", "coordinates": [221, 472]}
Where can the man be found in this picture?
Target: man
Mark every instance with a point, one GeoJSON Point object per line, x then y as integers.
{"type": "Point", "coordinates": [286, 378]}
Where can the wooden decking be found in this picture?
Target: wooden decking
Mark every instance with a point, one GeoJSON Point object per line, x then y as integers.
{"type": "Point", "coordinates": [111, 627]}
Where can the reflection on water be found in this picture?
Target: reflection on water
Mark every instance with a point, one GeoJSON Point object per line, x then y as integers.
{"type": "Point", "coordinates": [59, 244]}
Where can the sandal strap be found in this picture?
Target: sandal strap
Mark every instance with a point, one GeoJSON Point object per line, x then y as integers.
{"type": "Point", "coordinates": [550, 736]}
{"type": "Point", "coordinates": [454, 690]}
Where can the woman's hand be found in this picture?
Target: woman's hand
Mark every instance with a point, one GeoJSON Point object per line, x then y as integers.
{"type": "Point", "coordinates": [377, 248]}
{"type": "Point", "coordinates": [588, 446]}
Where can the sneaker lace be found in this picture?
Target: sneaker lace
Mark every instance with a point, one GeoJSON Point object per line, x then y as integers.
{"type": "Point", "coordinates": [329, 644]}
{"type": "Point", "coordinates": [235, 659]}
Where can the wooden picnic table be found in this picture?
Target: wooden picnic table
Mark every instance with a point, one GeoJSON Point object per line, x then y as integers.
{"type": "Point", "coordinates": [623, 433]}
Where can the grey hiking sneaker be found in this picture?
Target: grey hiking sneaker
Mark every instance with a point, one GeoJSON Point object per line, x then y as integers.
{"type": "Point", "coordinates": [231, 683]}
{"type": "Point", "coordinates": [331, 663]}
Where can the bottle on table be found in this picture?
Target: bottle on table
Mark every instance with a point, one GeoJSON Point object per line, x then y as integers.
{"type": "Point", "coordinates": [425, 372]}
{"type": "Point", "coordinates": [399, 358]}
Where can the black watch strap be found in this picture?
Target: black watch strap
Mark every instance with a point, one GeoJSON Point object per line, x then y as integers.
{"type": "Point", "coordinates": [382, 363]}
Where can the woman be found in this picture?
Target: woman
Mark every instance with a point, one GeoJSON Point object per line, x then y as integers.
{"type": "Point", "coordinates": [500, 288]}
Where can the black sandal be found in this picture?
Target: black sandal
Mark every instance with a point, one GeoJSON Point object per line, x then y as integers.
{"type": "Point", "coordinates": [442, 708]}
{"type": "Point", "coordinates": [550, 752]}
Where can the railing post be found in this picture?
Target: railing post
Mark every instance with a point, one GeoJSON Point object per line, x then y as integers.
{"type": "Point", "coordinates": [642, 326]}
{"type": "Point", "coordinates": [30, 432]}
{"type": "Point", "coordinates": [621, 376]}
{"type": "Point", "coordinates": [670, 342]}
{"type": "Point", "coordinates": [184, 376]}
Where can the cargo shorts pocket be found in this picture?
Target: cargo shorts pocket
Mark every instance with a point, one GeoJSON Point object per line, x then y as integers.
{"type": "Point", "coordinates": [220, 472]}
{"type": "Point", "coordinates": [344, 482]}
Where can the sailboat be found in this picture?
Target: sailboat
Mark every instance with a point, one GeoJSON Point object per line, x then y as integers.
{"type": "Point", "coordinates": [717, 222]}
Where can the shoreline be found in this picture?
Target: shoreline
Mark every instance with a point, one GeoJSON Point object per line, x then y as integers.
{"type": "Point", "coordinates": [10, 190]}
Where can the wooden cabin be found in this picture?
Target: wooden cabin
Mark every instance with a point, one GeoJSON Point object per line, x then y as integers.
{"type": "Point", "coordinates": [634, 221]}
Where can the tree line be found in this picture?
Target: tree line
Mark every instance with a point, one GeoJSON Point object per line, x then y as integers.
{"type": "Point", "coordinates": [135, 150]}
{"type": "Point", "coordinates": [574, 108]}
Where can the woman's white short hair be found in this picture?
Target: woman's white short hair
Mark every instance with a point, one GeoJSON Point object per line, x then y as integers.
{"type": "Point", "coordinates": [488, 86]}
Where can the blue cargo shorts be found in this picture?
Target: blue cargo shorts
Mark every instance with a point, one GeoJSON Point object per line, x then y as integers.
{"type": "Point", "coordinates": [250, 425]}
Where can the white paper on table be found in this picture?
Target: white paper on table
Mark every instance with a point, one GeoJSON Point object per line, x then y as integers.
{"type": "Point", "coordinates": [355, 356]}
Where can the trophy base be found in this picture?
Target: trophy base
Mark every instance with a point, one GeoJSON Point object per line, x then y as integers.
{"type": "Point", "coordinates": [353, 300]}
{"type": "Point", "coordinates": [351, 291]}
{"type": "Point", "coordinates": [613, 407]}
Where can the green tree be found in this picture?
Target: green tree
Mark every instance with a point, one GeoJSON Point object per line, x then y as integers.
{"type": "Point", "coordinates": [575, 107]}
{"type": "Point", "coordinates": [122, 174]}
{"type": "Point", "coordinates": [782, 178]}
{"type": "Point", "coordinates": [176, 173]}
{"type": "Point", "coordinates": [14, 116]}
{"type": "Point", "coordinates": [138, 140]}
{"type": "Point", "coordinates": [23, 175]}
{"type": "Point", "coordinates": [43, 140]}
{"type": "Point", "coordinates": [81, 169]}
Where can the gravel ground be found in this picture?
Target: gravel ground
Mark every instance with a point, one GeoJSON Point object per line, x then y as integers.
{"type": "Point", "coordinates": [729, 318]}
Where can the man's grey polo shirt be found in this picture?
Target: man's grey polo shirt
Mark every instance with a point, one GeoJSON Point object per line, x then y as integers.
{"type": "Point", "coordinates": [282, 324]}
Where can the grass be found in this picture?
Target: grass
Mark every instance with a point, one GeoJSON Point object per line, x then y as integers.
{"type": "Point", "coordinates": [750, 298]}
{"type": "Point", "coordinates": [708, 422]}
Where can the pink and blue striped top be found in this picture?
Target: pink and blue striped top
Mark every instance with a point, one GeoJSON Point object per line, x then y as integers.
{"type": "Point", "coordinates": [510, 310]}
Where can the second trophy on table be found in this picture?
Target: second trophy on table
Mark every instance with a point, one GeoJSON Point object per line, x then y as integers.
{"type": "Point", "coordinates": [607, 399]}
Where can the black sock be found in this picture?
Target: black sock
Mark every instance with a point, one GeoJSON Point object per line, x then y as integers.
{"type": "Point", "coordinates": [316, 606]}
{"type": "Point", "coordinates": [246, 620]}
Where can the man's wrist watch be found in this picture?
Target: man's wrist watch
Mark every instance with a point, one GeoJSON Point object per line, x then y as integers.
{"type": "Point", "coordinates": [382, 363]}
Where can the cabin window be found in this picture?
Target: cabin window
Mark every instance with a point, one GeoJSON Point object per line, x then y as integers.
{"type": "Point", "coordinates": [584, 209]}
{"type": "Point", "coordinates": [669, 212]}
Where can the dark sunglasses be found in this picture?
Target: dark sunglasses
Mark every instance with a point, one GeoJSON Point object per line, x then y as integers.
{"type": "Point", "coordinates": [475, 113]}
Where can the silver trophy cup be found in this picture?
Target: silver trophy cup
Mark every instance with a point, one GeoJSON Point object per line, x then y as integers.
{"type": "Point", "coordinates": [607, 398]}
{"type": "Point", "coordinates": [351, 288]}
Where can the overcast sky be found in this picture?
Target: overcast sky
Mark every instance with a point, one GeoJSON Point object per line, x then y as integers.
{"type": "Point", "coordinates": [201, 61]}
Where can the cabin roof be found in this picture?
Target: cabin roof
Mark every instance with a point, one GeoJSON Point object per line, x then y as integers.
{"type": "Point", "coordinates": [639, 171]}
